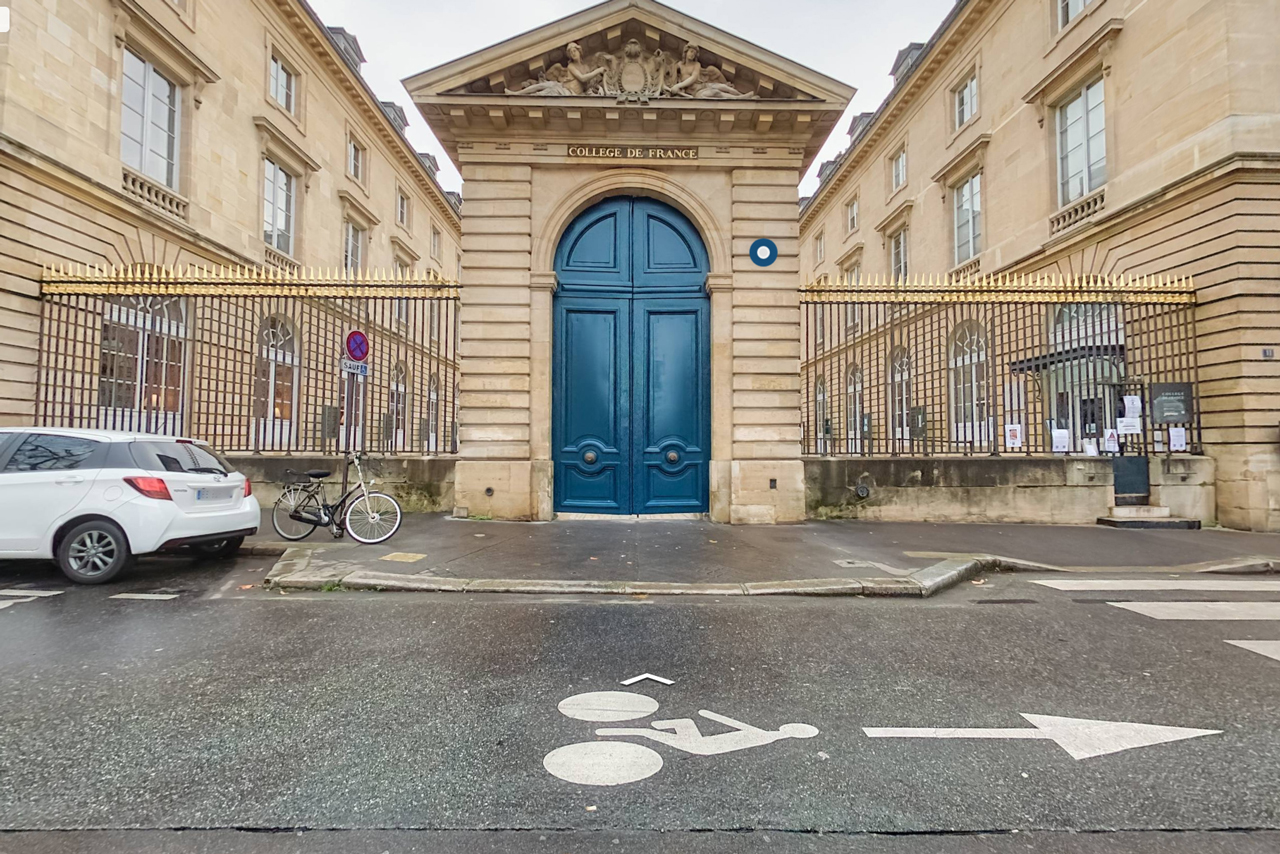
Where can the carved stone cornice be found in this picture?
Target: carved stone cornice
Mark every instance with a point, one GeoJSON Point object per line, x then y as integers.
{"type": "Point", "coordinates": [1092, 54]}
{"type": "Point", "coordinates": [973, 157]}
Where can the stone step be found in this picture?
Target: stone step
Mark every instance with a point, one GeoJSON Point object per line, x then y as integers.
{"type": "Point", "coordinates": [1140, 511]}
{"type": "Point", "coordinates": [1139, 523]}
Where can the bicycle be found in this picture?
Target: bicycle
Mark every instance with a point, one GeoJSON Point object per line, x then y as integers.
{"type": "Point", "coordinates": [372, 517]}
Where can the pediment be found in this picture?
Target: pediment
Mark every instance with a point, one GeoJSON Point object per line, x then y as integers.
{"type": "Point", "coordinates": [628, 50]}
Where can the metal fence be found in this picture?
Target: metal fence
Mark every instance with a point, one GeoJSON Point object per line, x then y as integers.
{"type": "Point", "coordinates": [1005, 365]}
{"type": "Point", "coordinates": [252, 360]}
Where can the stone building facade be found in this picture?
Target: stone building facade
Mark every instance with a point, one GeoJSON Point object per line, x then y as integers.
{"type": "Point", "coordinates": [629, 155]}
{"type": "Point", "coordinates": [1069, 138]}
{"type": "Point", "coordinates": [187, 132]}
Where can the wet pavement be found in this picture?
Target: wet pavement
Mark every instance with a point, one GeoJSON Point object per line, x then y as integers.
{"type": "Point", "coordinates": [696, 552]}
{"type": "Point", "coordinates": [236, 719]}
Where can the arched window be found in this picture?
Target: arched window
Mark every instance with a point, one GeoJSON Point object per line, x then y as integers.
{"type": "Point", "coordinates": [142, 365]}
{"type": "Point", "coordinates": [275, 395]}
{"type": "Point", "coordinates": [433, 414]}
{"type": "Point", "coordinates": [853, 410]}
{"type": "Point", "coordinates": [398, 407]}
{"type": "Point", "coordinates": [900, 393]}
{"type": "Point", "coordinates": [822, 417]}
{"type": "Point", "coordinates": [970, 419]}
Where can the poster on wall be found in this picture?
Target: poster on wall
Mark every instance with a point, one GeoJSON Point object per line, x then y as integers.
{"type": "Point", "coordinates": [1129, 426]}
{"type": "Point", "coordinates": [1132, 406]}
{"type": "Point", "coordinates": [1177, 438]}
{"type": "Point", "coordinates": [1013, 436]}
{"type": "Point", "coordinates": [1172, 403]}
{"type": "Point", "coordinates": [1061, 441]}
{"type": "Point", "coordinates": [1091, 447]}
{"type": "Point", "coordinates": [1111, 441]}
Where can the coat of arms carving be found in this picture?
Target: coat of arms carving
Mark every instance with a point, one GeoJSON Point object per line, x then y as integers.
{"type": "Point", "coordinates": [633, 74]}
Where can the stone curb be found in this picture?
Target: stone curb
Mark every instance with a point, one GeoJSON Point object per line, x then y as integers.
{"type": "Point", "coordinates": [293, 572]}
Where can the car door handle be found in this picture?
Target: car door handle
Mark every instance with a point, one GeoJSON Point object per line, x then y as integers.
{"type": "Point", "coordinates": [69, 479]}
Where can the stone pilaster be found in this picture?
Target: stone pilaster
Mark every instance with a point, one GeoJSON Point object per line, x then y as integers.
{"type": "Point", "coordinates": [493, 476]}
{"type": "Point", "coordinates": [767, 475]}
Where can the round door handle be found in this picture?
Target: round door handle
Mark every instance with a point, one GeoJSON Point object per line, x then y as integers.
{"type": "Point", "coordinates": [589, 457]}
{"type": "Point", "coordinates": [672, 456]}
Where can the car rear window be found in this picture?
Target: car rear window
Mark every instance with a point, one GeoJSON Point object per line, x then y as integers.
{"type": "Point", "coordinates": [179, 457]}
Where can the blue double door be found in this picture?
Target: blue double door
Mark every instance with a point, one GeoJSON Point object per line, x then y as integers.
{"type": "Point", "coordinates": [631, 426]}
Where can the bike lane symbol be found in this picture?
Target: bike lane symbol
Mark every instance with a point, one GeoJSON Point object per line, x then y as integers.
{"type": "Point", "coordinates": [616, 763]}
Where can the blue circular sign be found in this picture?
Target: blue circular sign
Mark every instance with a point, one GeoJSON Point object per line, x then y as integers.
{"type": "Point", "coordinates": [764, 252]}
{"type": "Point", "coordinates": [357, 346]}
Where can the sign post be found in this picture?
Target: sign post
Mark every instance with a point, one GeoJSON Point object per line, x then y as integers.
{"type": "Point", "coordinates": [355, 367]}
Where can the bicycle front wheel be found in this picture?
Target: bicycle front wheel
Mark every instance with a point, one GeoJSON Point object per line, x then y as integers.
{"type": "Point", "coordinates": [295, 499]}
{"type": "Point", "coordinates": [373, 518]}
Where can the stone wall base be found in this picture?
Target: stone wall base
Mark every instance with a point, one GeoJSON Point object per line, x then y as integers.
{"type": "Point", "coordinates": [1248, 486]}
{"type": "Point", "coordinates": [420, 484]}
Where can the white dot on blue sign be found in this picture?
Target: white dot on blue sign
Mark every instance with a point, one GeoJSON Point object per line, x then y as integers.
{"type": "Point", "coordinates": [764, 252]}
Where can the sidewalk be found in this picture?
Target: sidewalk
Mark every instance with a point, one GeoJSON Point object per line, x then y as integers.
{"type": "Point", "coordinates": [461, 554]}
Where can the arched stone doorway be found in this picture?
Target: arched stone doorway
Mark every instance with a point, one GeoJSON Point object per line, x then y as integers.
{"type": "Point", "coordinates": [631, 362]}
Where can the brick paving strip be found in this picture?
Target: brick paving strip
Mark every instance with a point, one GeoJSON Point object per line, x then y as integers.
{"type": "Point", "coordinates": [293, 572]}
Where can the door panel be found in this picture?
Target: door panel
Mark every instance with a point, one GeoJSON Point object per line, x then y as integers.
{"type": "Point", "coordinates": [670, 405]}
{"type": "Point", "coordinates": [631, 377]}
{"type": "Point", "coordinates": [591, 387]}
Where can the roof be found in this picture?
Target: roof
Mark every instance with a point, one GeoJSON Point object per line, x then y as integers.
{"type": "Point", "coordinates": [343, 48]}
{"type": "Point", "coordinates": [866, 126]}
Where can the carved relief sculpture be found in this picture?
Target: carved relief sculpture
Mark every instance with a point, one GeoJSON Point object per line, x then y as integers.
{"type": "Point", "coordinates": [633, 74]}
{"type": "Point", "coordinates": [697, 81]}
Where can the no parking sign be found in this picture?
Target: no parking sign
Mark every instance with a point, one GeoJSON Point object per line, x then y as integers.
{"type": "Point", "coordinates": [357, 350]}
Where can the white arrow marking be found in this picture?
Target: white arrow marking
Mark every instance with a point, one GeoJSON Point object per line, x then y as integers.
{"type": "Point", "coordinates": [29, 593]}
{"type": "Point", "coordinates": [643, 676]}
{"type": "Point", "coordinates": [1081, 738]}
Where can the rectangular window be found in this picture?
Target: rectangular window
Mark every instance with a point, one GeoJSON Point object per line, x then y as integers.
{"type": "Point", "coordinates": [820, 248]}
{"type": "Point", "coordinates": [435, 242]}
{"type": "Point", "coordinates": [968, 218]}
{"type": "Point", "coordinates": [284, 84]}
{"type": "Point", "coordinates": [899, 169]}
{"type": "Point", "coordinates": [401, 306]}
{"type": "Point", "coordinates": [1082, 144]}
{"type": "Point", "coordinates": [852, 276]}
{"type": "Point", "coordinates": [1068, 10]}
{"type": "Point", "coordinates": [402, 209]}
{"type": "Point", "coordinates": [149, 124]}
{"type": "Point", "coordinates": [851, 216]}
{"type": "Point", "coordinates": [898, 256]}
{"type": "Point", "coordinates": [355, 159]}
{"type": "Point", "coordinates": [966, 101]}
{"type": "Point", "coordinates": [277, 208]}
{"type": "Point", "coordinates": [353, 246]}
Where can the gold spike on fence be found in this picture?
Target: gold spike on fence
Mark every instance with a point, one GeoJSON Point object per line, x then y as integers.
{"type": "Point", "coordinates": [244, 280]}
{"type": "Point", "coordinates": [1006, 288]}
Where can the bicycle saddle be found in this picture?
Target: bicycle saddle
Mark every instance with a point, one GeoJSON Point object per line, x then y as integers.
{"type": "Point", "coordinates": [318, 474]}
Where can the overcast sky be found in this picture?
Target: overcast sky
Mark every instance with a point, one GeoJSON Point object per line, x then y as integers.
{"type": "Point", "coordinates": [854, 41]}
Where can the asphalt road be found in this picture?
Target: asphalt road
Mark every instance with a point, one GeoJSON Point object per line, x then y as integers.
{"type": "Point", "coordinates": [230, 720]}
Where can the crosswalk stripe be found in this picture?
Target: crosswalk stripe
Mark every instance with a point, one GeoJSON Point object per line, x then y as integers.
{"type": "Point", "coordinates": [1210, 585]}
{"type": "Point", "coordinates": [26, 594]}
{"type": "Point", "coordinates": [1271, 649]}
{"type": "Point", "coordinates": [1203, 610]}
{"type": "Point", "coordinates": [5, 603]}
{"type": "Point", "coordinates": [154, 596]}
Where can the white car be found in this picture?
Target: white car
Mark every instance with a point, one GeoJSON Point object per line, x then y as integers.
{"type": "Point", "coordinates": [93, 499]}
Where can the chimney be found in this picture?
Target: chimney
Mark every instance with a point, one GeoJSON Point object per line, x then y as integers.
{"type": "Point", "coordinates": [349, 46]}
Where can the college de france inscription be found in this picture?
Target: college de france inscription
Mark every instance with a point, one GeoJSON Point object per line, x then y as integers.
{"type": "Point", "coordinates": [634, 152]}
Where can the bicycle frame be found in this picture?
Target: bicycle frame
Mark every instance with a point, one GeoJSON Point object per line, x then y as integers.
{"type": "Point", "coordinates": [334, 511]}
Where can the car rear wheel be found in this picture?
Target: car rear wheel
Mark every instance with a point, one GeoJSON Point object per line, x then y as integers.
{"type": "Point", "coordinates": [218, 548]}
{"type": "Point", "coordinates": [94, 552]}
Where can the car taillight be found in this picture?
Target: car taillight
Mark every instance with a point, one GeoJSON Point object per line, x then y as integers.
{"type": "Point", "coordinates": [151, 487]}
{"type": "Point", "coordinates": [248, 488]}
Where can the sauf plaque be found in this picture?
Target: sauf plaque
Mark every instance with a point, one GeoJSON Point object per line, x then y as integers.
{"type": "Point", "coordinates": [634, 152]}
